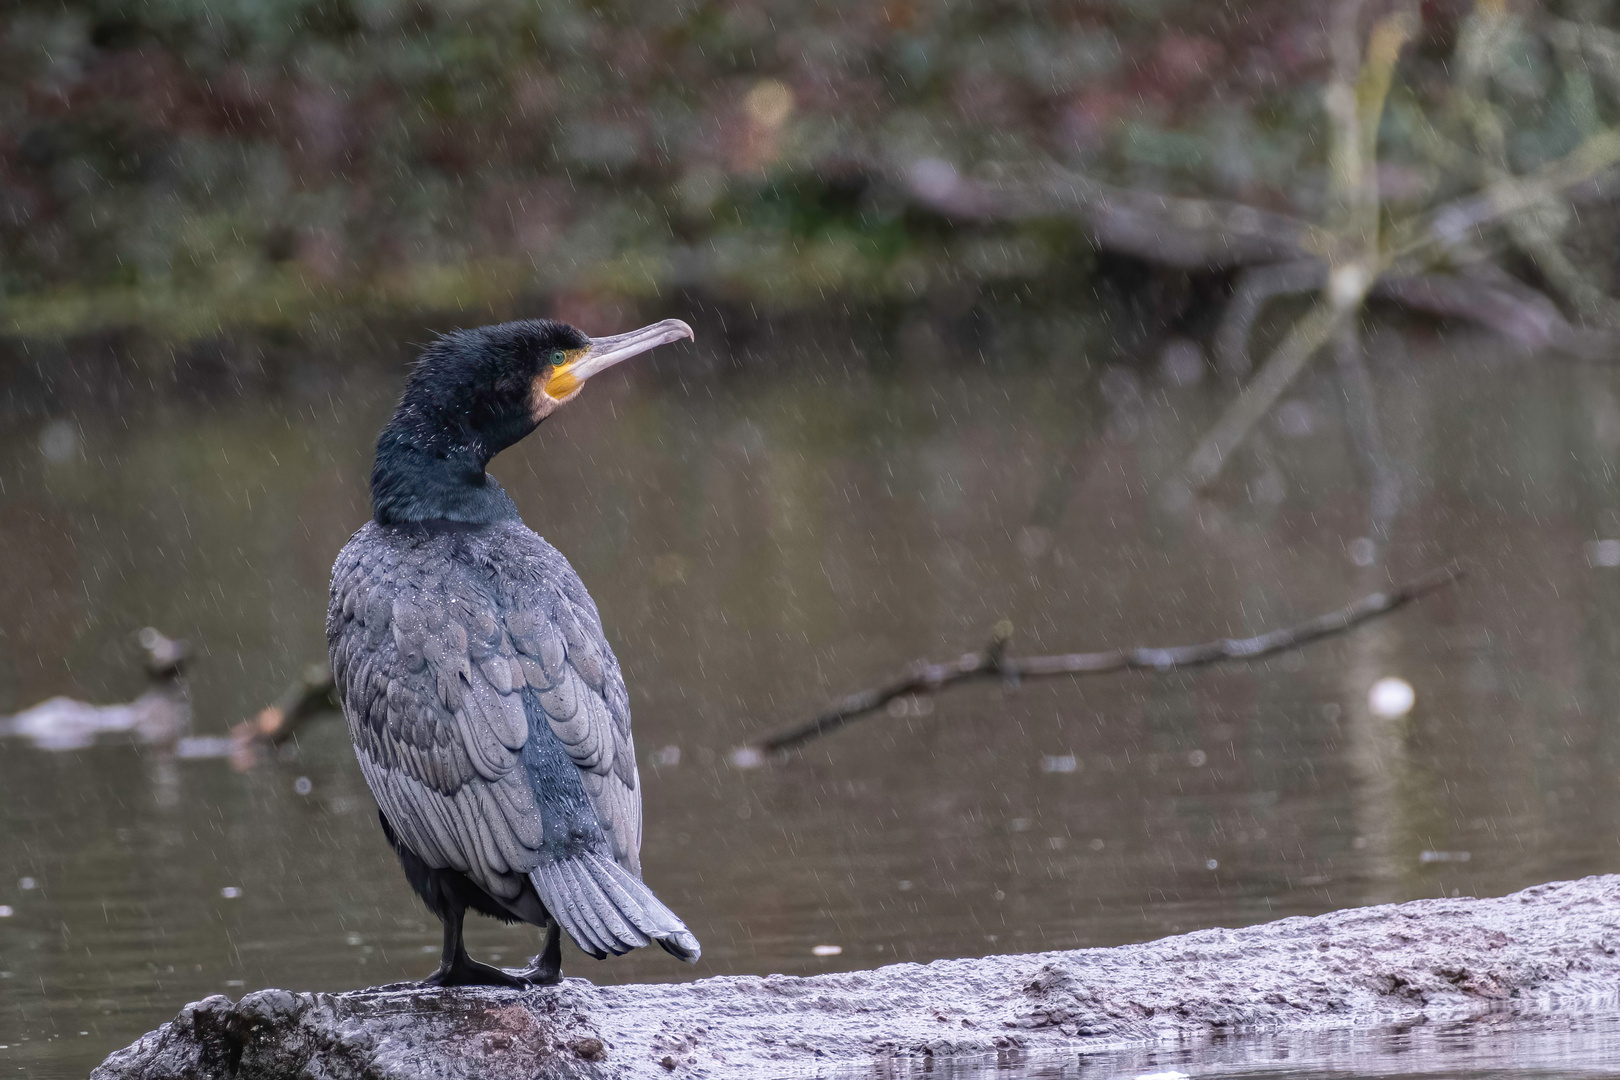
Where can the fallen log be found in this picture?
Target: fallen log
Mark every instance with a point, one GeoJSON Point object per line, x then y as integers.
{"type": "Point", "coordinates": [1549, 951]}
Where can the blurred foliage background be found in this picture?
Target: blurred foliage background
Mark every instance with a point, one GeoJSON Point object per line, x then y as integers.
{"type": "Point", "coordinates": [188, 163]}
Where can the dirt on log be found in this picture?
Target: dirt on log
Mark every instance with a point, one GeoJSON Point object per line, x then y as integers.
{"type": "Point", "coordinates": [1547, 950]}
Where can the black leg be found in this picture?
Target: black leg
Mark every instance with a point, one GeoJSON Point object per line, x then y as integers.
{"type": "Point", "coordinates": [546, 969]}
{"type": "Point", "coordinates": [456, 968]}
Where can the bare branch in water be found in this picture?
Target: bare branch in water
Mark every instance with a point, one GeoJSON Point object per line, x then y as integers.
{"type": "Point", "coordinates": [925, 677]}
{"type": "Point", "coordinates": [314, 693]}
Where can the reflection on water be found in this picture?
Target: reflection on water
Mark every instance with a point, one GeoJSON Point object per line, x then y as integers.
{"type": "Point", "coordinates": [1567, 1047]}
{"type": "Point", "coordinates": [792, 514]}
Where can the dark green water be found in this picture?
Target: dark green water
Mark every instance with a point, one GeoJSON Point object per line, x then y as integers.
{"type": "Point", "coordinates": [779, 517]}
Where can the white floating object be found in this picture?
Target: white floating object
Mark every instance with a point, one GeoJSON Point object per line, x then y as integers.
{"type": "Point", "coordinates": [5, 911]}
{"type": "Point", "coordinates": [1444, 856]}
{"type": "Point", "coordinates": [747, 757]}
{"type": "Point", "coordinates": [59, 441]}
{"type": "Point", "coordinates": [230, 892]}
{"type": "Point", "coordinates": [827, 950]}
{"type": "Point", "coordinates": [1603, 553]}
{"type": "Point", "coordinates": [1391, 697]}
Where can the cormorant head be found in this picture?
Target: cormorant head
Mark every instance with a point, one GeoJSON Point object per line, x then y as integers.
{"type": "Point", "coordinates": [472, 394]}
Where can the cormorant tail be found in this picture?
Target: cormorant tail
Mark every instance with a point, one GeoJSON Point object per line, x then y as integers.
{"type": "Point", "coordinates": [606, 910]}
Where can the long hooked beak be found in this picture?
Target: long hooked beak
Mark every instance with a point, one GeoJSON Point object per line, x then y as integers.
{"type": "Point", "coordinates": [566, 379]}
{"type": "Point", "coordinates": [604, 352]}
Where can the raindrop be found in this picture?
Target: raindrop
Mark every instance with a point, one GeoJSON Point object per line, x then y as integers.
{"type": "Point", "coordinates": [1097, 844]}
{"type": "Point", "coordinates": [827, 950]}
{"type": "Point", "coordinates": [1391, 698]}
{"type": "Point", "coordinates": [303, 786]}
{"type": "Point", "coordinates": [1268, 488]}
{"type": "Point", "coordinates": [1197, 758]}
{"type": "Point", "coordinates": [59, 441]}
{"type": "Point", "coordinates": [1362, 551]}
{"type": "Point", "coordinates": [1019, 824]}
{"type": "Point", "coordinates": [667, 757]}
{"type": "Point", "coordinates": [1172, 1075]}
{"type": "Point", "coordinates": [1296, 419]}
{"type": "Point", "coordinates": [1034, 541]}
{"type": "Point", "coordinates": [1056, 843]}
{"type": "Point", "coordinates": [1000, 895]}
{"type": "Point", "coordinates": [1059, 763]}
{"type": "Point", "coordinates": [905, 886]}
{"type": "Point", "coordinates": [27, 883]}
{"type": "Point", "coordinates": [354, 939]}
{"type": "Point", "coordinates": [1119, 386]}
{"type": "Point", "coordinates": [1181, 363]}
{"type": "Point", "coordinates": [230, 892]}
{"type": "Point", "coordinates": [747, 757]}
{"type": "Point", "coordinates": [5, 911]}
{"type": "Point", "coordinates": [1212, 864]}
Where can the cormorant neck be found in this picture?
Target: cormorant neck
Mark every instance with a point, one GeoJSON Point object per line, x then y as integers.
{"type": "Point", "coordinates": [423, 476]}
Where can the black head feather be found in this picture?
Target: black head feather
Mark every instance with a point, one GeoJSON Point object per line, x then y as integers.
{"type": "Point", "coordinates": [469, 397]}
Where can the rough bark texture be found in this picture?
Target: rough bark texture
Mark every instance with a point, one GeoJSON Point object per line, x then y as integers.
{"type": "Point", "coordinates": [1549, 949]}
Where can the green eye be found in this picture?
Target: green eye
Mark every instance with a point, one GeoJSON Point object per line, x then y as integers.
{"type": "Point", "coordinates": [557, 356]}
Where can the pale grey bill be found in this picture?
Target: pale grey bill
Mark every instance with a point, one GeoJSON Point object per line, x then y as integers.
{"type": "Point", "coordinates": [604, 352]}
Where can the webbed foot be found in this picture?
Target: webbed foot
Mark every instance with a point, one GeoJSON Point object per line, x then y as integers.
{"type": "Point", "coordinates": [546, 969]}
{"type": "Point", "coordinates": [465, 971]}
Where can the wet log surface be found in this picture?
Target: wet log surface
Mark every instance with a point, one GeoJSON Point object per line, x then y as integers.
{"type": "Point", "coordinates": [1549, 950]}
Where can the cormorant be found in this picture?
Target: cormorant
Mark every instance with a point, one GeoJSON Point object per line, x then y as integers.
{"type": "Point", "coordinates": [485, 706]}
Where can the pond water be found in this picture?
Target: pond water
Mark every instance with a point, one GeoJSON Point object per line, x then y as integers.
{"type": "Point", "coordinates": [781, 515]}
{"type": "Point", "coordinates": [1546, 1049]}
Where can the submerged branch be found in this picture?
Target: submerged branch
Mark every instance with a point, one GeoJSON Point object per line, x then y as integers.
{"type": "Point", "coordinates": [1308, 335]}
{"type": "Point", "coordinates": [314, 693]}
{"type": "Point", "coordinates": [925, 677]}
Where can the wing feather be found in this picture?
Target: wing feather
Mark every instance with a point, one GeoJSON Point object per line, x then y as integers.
{"type": "Point", "coordinates": [435, 706]}
{"type": "Point", "coordinates": [449, 661]}
{"type": "Point", "coordinates": [586, 706]}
